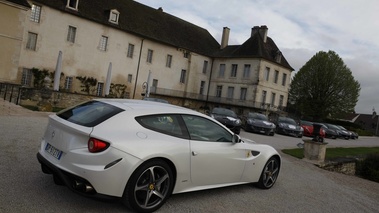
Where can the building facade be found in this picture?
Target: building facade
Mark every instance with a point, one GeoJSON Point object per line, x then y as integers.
{"type": "Point", "coordinates": [150, 52]}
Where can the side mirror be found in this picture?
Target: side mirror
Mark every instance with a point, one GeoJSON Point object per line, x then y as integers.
{"type": "Point", "coordinates": [236, 138]}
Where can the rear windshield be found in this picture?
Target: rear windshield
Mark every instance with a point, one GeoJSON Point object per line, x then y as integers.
{"type": "Point", "coordinates": [89, 114]}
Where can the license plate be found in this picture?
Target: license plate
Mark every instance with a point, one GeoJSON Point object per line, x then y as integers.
{"type": "Point", "coordinates": [53, 151]}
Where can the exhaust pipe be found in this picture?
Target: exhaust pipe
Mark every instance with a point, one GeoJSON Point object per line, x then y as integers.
{"type": "Point", "coordinates": [83, 187]}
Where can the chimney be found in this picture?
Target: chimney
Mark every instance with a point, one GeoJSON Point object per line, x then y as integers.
{"type": "Point", "coordinates": [225, 37]}
{"type": "Point", "coordinates": [263, 32]}
{"type": "Point", "coordinates": [160, 9]}
{"type": "Point", "coordinates": [254, 30]}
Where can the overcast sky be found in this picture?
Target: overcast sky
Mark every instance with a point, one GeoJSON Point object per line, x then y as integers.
{"type": "Point", "coordinates": [300, 29]}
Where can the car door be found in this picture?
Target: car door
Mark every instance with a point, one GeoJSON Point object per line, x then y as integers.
{"type": "Point", "coordinates": [215, 159]}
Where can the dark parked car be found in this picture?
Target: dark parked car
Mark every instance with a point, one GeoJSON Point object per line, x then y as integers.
{"type": "Point", "coordinates": [258, 123]}
{"type": "Point", "coordinates": [330, 133]}
{"type": "Point", "coordinates": [227, 117]}
{"type": "Point", "coordinates": [341, 133]}
{"type": "Point", "coordinates": [353, 135]}
{"type": "Point", "coordinates": [288, 126]}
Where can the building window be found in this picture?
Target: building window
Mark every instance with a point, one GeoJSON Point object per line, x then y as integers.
{"type": "Point", "coordinates": [168, 61]}
{"type": "Point", "coordinates": [113, 16]}
{"type": "Point", "coordinates": [27, 75]}
{"type": "Point", "coordinates": [221, 73]}
{"type": "Point", "coordinates": [103, 43]}
{"type": "Point", "coordinates": [281, 100]}
{"type": "Point", "coordinates": [246, 71]}
{"type": "Point", "coordinates": [68, 83]}
{"type": "Point", "coordinates": [149, 56]}
{"type": "Point", "coordinates": [36, 13]}
{"type": "Point", "coordinates": [218, 91]}
{"type": "Point", "coordinates": [186, 54]}
{"type": "Point", "coordinates": [284, 80]}
{"type": "Point", "coordinates": [32, 41]}
{"type": "Point", "coordinates": [267, 74]}
{"type": "Point", "coordinates": [99, 90]}
{"type": "Point", "coordinates": [202, 86]}
{"type": "Point", "coordinates": [130, 50]}
{"type": "Point", "coordinates": [264, 94]}
{"type": "Point", "coordinates": [73, 4]}
{"type": "Point", "coordinates": [234, 70]}
{"type": "Point", "coordinates": [71, 34]}
{"type": "Point", "coordinates": [205, 67]}
{"type": "Point", "coordinates": [230, 92]}
{"type": "Point", "coordinates": [130, 78]}
{"type": "Point", "coordinates": [273, 97]}
{"type": "Point", "coordinates": [183, 76]}
{"type": "Point", "coordinates": [276, 76]}
{"type": "Point", "coordinates": [243, 93]}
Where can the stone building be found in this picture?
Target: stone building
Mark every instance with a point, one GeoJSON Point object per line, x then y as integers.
{"type": "Point", "coordinates": [151, 53]}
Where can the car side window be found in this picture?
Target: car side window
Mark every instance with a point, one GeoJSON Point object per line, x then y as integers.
{"type": "Point", "coordinates": [202, 129]}
{"type": "Point", "coordinates": [166, 124]}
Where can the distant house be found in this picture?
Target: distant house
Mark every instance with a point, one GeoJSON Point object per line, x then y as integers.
{"type": "Point", "coordinates": [177, 60]}
{"type": "Point", "coordinates": [368, 122]}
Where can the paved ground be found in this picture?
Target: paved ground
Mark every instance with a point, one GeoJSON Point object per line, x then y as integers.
{"type": "Point", "coordinates": [8, 108]}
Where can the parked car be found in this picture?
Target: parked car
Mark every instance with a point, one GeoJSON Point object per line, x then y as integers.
{"type": "Point", "coordinates": [288, 126]}
{"type": "Point", "coordinates": [142, 152]}
{"type": "Point", "coordinates": [308, 129]}
{"type": "Point", "coordinates": [341, 133]}
{"type": "Point", "coordinates": [329, 133]}
{"type": "Point", "coordinates": [353, 135]}
{"type": "Point", "coordinates": [227, 117]}
{"type": "Point", "coordinates": [258, 123]}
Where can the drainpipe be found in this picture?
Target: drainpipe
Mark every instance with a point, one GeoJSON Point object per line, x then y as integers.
{"type": "Point", "coordinates": [139, 62]}
{"type": "Point", "coordinates": [209, 83]}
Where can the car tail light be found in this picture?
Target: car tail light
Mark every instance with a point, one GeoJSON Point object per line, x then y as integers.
{"type": "Point", "coordinates": [95, 145]}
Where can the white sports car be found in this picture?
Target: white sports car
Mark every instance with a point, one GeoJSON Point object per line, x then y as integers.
{"type": "Point", "coordinates": [143, 151]}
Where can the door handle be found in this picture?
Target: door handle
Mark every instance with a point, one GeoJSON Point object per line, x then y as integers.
{"type": "Point", "coordinates": [194, 153]}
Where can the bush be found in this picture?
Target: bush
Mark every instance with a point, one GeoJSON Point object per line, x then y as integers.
{"type": "Point", "coordinates": [369, 167]}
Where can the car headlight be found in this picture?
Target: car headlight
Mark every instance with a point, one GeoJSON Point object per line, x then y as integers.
{"type": "Point", "coordinates": [237, 121]}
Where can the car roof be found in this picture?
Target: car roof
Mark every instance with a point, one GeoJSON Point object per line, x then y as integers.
{"type": "Point", "coordinates": [141, 106]}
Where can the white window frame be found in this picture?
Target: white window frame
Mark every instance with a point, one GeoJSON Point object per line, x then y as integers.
{"type": "Point", "coordinates": [99, 89]}
{"type": "Point", "coordinates": [103, 43]}
{"type": "Point", "coordinates": [72, 3]}
{"type": "Point", "coordinates": [202, 87]}
{"type": "Point", "coordinates": [130, 78]}
{"type": "Point", "coordinates": [130, 50]}
{"type": "Point", "coordinates": [27, 77]}
{"type": "Point", "coordinates": [276, 77]}
{"type": "Point", "coordinates": [114, 16]}
{"type": "Point", "coordinates": [71, 34]}
{"type": "Point", "coordinates": [35, 14]}
{"type": "Point", "coordinates": [68, 83]}
{"type": "Point", "coordinates": [31, 44]}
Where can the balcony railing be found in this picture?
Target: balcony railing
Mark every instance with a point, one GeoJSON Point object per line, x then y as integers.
{"type": "Point", "coordinates": [214, 99]}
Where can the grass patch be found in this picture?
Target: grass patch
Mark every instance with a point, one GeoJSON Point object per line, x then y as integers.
{"type": "Point", "coordinates": [332, 153]}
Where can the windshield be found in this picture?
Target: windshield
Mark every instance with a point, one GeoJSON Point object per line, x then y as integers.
{"type": "Point", "coordinates": [257, 116]}
{"type": "Point", "coordinates": [222, 111]}
{"type": "Point", "coordinates": [287, 120]}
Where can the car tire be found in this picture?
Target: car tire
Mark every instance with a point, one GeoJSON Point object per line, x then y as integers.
{"type": "Point", "coordinates": [151, 179]}
{"type": "Point", "coordinates": [269, 174]}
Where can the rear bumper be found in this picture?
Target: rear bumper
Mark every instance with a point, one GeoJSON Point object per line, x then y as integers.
{"type": "Point", "coordinates": [73, 182]}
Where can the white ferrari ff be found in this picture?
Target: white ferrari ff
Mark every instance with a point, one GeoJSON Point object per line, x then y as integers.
{"type": "Point", "coordinates": [145, 151]}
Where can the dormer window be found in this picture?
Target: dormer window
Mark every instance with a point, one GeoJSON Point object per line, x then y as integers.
{"type": "Point", "coordinates": [113, 16]}
{"type": "Point", "coordinates": [278, 56]}
{"type": "Point", "coordinates": [72, 4]}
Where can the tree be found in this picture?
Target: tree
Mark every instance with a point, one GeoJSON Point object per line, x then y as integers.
{"type": "Point", "coordinates": [324, 86]}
